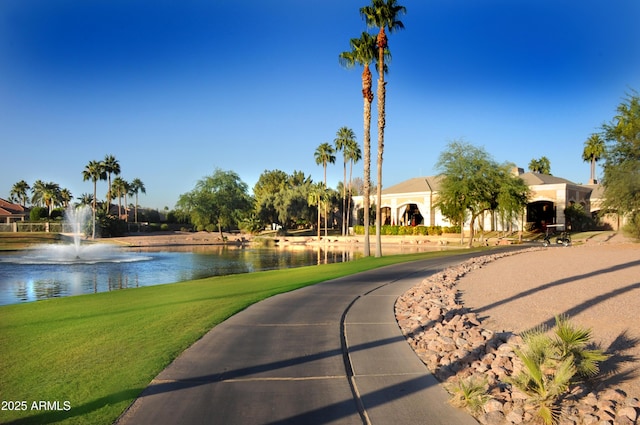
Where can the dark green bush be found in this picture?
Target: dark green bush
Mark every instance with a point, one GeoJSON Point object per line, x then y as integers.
{"type": "Point", "coordinates": [38, 213]}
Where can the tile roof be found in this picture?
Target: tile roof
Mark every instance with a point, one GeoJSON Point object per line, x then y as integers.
{"type": "Point", "coordinates": [532, 179]}
{"type": "Point", "coordinates": [416, 184]}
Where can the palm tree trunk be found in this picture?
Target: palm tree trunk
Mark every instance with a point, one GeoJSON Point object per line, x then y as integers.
{"type": "Point", "coordinates": [344, 200]}
{"type": "Point", "coordinates": [368, 98]}
{"type": "Point", "coordinates": [95, 205]}
{"type": "Point", "coordinates": [319, 217]}
{"type": "Point", "coordinates": [349, 194]}
{"type": "Point", "coordinates": [381, 124]}
{"type": "Point", "coordinates": [325, 203]}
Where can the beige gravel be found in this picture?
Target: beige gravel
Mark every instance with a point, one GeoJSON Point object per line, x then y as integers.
{"type": "Point", "coordinates": [597, 285]}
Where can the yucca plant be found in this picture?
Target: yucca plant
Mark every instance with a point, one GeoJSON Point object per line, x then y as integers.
{"type": "Point", "coordinates": [470, 393]}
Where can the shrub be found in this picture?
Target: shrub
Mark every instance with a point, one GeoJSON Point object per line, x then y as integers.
{"type": "Point", "coordinates": [164, 226]}
{"type": "Point", "coordinates": [551, 363]}
{"type": "Point", "coordinates": [38, 213]}
{"type": "Point", "coordinates": [469, 393]}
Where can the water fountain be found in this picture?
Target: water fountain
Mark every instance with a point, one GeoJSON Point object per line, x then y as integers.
{"type": "Point", "coordinates": [74, 250]}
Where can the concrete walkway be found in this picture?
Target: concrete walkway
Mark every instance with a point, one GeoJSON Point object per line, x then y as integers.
{"type": "Point", "coordinates": [331, 353]}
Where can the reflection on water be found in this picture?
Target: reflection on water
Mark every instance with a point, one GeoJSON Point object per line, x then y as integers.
{"type": "Point", "coordinates": [25, 281]}
{"type": "Point", "coordinates": [32, 282]}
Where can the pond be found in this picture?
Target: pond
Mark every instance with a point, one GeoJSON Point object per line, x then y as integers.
{"type": "Point", "coordinates": [42, 274]}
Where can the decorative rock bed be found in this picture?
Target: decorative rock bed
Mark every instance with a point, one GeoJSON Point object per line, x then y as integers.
{"type": "Point", "coordinates": [452, 342]}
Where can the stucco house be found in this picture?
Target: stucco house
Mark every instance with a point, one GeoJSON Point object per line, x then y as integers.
{"type": "Point", "coordinates": [10, 212]}
{"type": "Point", "coordinates": [412, 202]}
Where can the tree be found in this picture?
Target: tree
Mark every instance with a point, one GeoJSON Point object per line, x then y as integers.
{"type": "Point", "coordinates": [344, 137]}
{"type": "Point", "coordinates": [593, 151]}
{"type": "Point", "coordinates": [382, 14]}
{"type": "Point", "coordinates": [137, 186]}
{"type": "Point", "coordinates": [473, 183]}
{"type": "Point", "coordinates": [65, 197]}
{"type": "Point", "coordinates": [94, 171]}
{"type": "Point", "coordinates": [220, 200]}
{"type": "Point", "coordinates": [513, 196]}
{"type": "Point", "coordinates": [540, 166]}
{"type": "Point", "coordinates": [324, 154]}
{"type": "Point", "coordinates": [86, 199]}
{"type": "Point", "coordinates": [282, 198]}
{"type": "Point", "coordinates": [20, 192]}
{"type": "Point", "coordinates": [111, 166]}
{"type": "Point", "coordinates": [47, 194]}
{"type": "Point", "coordinates": [621, 179]}
{"type": "Point", "coordinates": [364, 51]}
{"type": "Point", "coordinates": [353, 154]}
{"type": "Point", "coordinates": [316, 194]}
{"type": "Point", "coordinates": [120, 188]}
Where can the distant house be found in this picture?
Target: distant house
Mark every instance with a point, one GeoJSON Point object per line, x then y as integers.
{"type": "Point", "coordinates": [412, 202]}
{"type": "Point", "coordinates": [10, 212]}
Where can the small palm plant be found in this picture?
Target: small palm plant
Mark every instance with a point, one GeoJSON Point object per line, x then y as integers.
{"type": "Point", "coordinates": [552, 363]}
{"type": "Point", "coordinates": [470, 393]}
{"type": "Point", "coordinates": [573, 342]}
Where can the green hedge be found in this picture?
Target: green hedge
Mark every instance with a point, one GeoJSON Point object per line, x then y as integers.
{"type": "Point", "coordinates": [407, 230]}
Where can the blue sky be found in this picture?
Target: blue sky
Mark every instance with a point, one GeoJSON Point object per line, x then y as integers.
{"type": "Point", "coordinates": [175, 89]}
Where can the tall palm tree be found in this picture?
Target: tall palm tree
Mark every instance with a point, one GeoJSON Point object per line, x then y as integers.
{"type": "Point", "coordinates": [353, 154]}
{"type": "Point", "coordinates": [382, 14]}
{"type": "Point", "coordinates": [19, 192]}
{"type": "Point", "coordinates": [65, 197]}
{"type": "Point", "coordinates": [86, 199]}
{"type": "Point", "coordinates": [344, 137]}
{"type": "Point", "coordinates": [47, 194]}
{"type": "Point", "coordinates": [364, 51]}
{"type": "Point", "coordinates": [120, 187]}
{"type": "Point", "coordinates": [315, 196]}
{"type": "Point", "coordinates": [593, 151]}
{"type": "Point", "coordinates": [94, 171]}
{"type": "Point", "coordinates": [324, 155]}
{"type": "Point", "coordinates": [36, 193]}
{"type": "Point", "coordinates": [137, 186]}
{"type": "Point", "coordinates": [111, 166]}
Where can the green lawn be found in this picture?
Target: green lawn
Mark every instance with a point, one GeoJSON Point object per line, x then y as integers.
{"type": "Point", "coordinates": [98, 352]}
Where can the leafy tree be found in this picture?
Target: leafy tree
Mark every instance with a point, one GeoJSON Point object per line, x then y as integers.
{"type": "Point", "coordinates": [137, 186]}
{"type": "Point", "coordinates": [20, 192]}
{"type": "Point", "coordinates": [364, 51]}
{"type": "Point", "coordinates": [472, 183]}
{"type": "Point", "coordinates": [282, 198]}
{"type": "Point", "coordinates": [220, 199]}
{"type": "Point", "coordinates": [324, 154]}
{"type": "Point", "coordinates": [94, 171]}
{"type": "Point", "coordinates": [382, 14]}
{"type": "Point", "coordinates": [621, 178]}
{"type": "Point", "coordinates": [513, 196]}
{"type": "Point", "coordinates": [345, 137]}
{"type": "Point", "coordinates": [593, 152]}
{"type": "Point", "coordinates": [541, 166]}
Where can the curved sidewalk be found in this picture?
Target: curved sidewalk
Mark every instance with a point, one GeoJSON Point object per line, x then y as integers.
{"type": "Point", "coordinates": [331, 353]}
